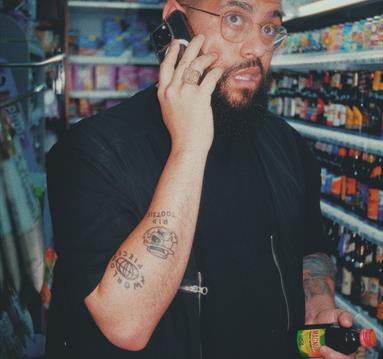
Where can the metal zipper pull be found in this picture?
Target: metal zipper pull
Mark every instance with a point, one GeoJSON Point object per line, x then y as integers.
{"type": "Point", "coordinates": [194, 289]}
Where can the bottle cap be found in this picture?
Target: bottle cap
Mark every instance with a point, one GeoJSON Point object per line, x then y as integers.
{"type": "Point", "coordinates": [367, 338]}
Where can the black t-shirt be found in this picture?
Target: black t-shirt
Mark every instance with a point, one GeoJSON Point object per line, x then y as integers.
{"type": "Point", "coordinates": [101, 178]}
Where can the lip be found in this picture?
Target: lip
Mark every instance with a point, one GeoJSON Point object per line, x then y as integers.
{"type": "Point", "coordinates": [247, 77]}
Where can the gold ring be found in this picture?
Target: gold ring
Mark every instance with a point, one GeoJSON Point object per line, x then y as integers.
{"type": "Point", "coordinates": [191, 76]}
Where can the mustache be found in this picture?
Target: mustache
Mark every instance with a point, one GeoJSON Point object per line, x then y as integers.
{"type": "Point", "coordinates": [243, 65]}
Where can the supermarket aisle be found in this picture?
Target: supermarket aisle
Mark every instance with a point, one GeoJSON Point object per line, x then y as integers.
{"type": "Point", "coordinates": [326, 82]}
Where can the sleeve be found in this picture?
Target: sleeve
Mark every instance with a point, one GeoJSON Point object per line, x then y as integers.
{"type": "Point", "coordinates": [91, 215]}
{"type": "Point", "coordinates": [315, 238]}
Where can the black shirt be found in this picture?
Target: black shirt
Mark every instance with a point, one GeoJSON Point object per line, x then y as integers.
{"type": "Point", "coordinates": [244, 311]}
{"type": "Point", "coordinates": [101, 178]}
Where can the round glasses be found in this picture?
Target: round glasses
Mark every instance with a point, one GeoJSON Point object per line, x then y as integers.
{"type": "Point", "coordinates": [236, 26]}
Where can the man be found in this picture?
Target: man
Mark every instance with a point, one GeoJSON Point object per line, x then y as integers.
{"type": "Point", "coordinates": [185, 217]}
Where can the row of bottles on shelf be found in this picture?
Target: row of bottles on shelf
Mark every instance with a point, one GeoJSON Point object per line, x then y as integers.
{"type": "Point", "coordinates": [365, 34]}
{"type": "Point", "coordinates": [349, 100]}
{"type": "Point", "coordinates": [359, 269]}
{"type": "Point", "coordinates": [352, 179]}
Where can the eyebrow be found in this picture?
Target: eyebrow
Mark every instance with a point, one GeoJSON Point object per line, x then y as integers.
{"type": "Point", "coordinates": [236, 3]}
{"type": "Point", "coordinates": [249, 8]}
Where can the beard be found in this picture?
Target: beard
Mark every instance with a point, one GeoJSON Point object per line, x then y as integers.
{"type": "Point", "coordinates": [234, 117]}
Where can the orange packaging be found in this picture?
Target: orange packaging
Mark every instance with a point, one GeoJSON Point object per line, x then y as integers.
{"type": "Point", "coordinates": [336, 186]}
{"type": "Point", "coordinates": [373, 204]}
{"type": "Point", "coordinates": [351, 186]}
{"type": "Point", "coordinates": [358, 118]}
{"type": "Point", "coordinates": [376, 172]}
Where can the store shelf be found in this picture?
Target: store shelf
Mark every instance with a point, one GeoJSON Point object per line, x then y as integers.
{"type": "Point", "coordinates": [125, 59]}
{"type": "Point", "coordinates": [334, 61]}
{"type": "Point", "coordinates": [361, 318]}
{"type": "Point", "coordinates": [102, 95]}
{"type": "Point", "coordinates": [353, 222]}
{"type": "Point", "coordinates": [320, 7]}
{"type": "Point", "coordinates": [115, 5]}
{"type": "Point", "coordinates": [341, 137]}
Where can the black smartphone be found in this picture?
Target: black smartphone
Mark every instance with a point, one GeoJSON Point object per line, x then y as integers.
{"type": "Point", "coordinates": [175, 26]}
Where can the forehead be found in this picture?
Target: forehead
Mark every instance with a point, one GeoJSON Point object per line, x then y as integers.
{"type": "Point", "coordinates": [253, 6]}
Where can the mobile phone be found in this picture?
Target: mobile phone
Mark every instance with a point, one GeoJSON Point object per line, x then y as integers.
{"type": "Point", "coordinates": [175, 26]}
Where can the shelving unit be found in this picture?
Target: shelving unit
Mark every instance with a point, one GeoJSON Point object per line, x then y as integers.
{"type": "Point", "coordinates": [100, 95]}
{"type": "Point", "coordinates": [327, 13]}
{"type": "Point", "coordinates": [321, 6]}
{"type": "Point", "coordinates": [353, 222]}
{"type": "Point", "coordinates": [125, 59]}
{"type": "Point", "coordinates": [340, 137]}
{"type": "Point", "coordinates": [361, 318]}
{"type": "Point", "coordinates": [114, 5]}
{"type": "Point", "coordinates": [87, 17]}
{"type": "Point", "coordinates": [324, 61]}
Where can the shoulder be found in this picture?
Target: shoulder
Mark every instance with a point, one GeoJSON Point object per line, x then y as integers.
{"type": "Point", "coordinates": [293, 143]}
{"type": "Point", "coordinates": [283, 132]}
{"type": "Point", "coordinates": [135, 117]}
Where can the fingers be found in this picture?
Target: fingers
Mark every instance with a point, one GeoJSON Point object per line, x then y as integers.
{"type": "Point", "coordinates": [201, 63]}
{"type": "Point", "coordinates": [329, 353]}
{"type": "Point", "coordinates": [167, 66]}
{"type": "Point", "coordinates": [191, 58]}
{"type": "Point", "coordinates": [345, 319]}
{"type": "Point", "coordinates": [191, 52]}
{"type": "Point", "coordinates": [210, 81]}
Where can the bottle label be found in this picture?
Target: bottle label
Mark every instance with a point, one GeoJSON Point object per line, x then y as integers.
{"type": "Point", "coordinates": [365, 298]}
{"type": "Point", "coordinates": [373, 204]}
{"type": "Point", "coordinates": [379, 313]}
{"type": "Point", "coordinates": [309, 342]}
{"type": "Point", "coordinates": [379, 254]}
{"type": "Point", "coordinates": [336, 186]}
{"type": "Point", "coordinates": [373, 292]}
{"type": "Point", "coordinates": [369, 258]}
{"type": "Point", "coordinates": [346, 283]}
{"type": "Point", "coordinates": [380, 206]}
{"type": "Point", "coordinates": [363, 189]}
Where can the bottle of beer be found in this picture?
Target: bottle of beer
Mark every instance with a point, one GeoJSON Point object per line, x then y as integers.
{"type": "Point", "coordinates": [375, 192]}
{"type": "Point", "coordinates": [356, 284]}
{"type": "Point", "coordinates": [367, 275]}
{"type": "Point", "coordinates": [379, 309]}
{"type": "Point", "coordinates": [309, 339]}
{"type": "Point", "coordinates": [373, 281]}
{"type": "Point", "coordinates": [348, 264]}
{"type": "Point", "coordinates": [367, 163]}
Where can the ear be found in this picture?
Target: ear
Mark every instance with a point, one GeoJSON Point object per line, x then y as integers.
{"type": "Point", "coordinates": [170, 6]}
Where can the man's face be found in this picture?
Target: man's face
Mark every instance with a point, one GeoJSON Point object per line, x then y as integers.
{"type": "Point", "coordinates": [246, 63]}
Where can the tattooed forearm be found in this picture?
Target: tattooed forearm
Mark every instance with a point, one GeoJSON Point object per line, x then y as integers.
{"type": "Point", "coordinates": [161, 217]}
{"type": "Point", "coordinates": [160, 242]}
{"type": "Point", "coordinates": [318, 275]}
{"type": "Point", "coordinates": [127, 270]}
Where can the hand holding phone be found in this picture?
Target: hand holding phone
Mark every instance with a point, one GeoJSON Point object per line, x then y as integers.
{"type": "Point", "coordinates": [175, 26]}
{"type": "Point", "coordinates": [186, 106]}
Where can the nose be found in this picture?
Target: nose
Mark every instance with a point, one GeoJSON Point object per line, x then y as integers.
{"type": "Point", "coordinates": [252, 46]}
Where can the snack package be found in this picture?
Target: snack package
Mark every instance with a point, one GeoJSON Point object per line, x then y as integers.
{"type": "Point", "coordinates": [127, 78]}
{"type": "Point", "coordinates": [88, 45]}
{"type": "Point", "coordinates": [147, 76]}
{"type": "Point", "coordinates": [82, 77]}
{"type": "Point", "coordinates": [105, 77]}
